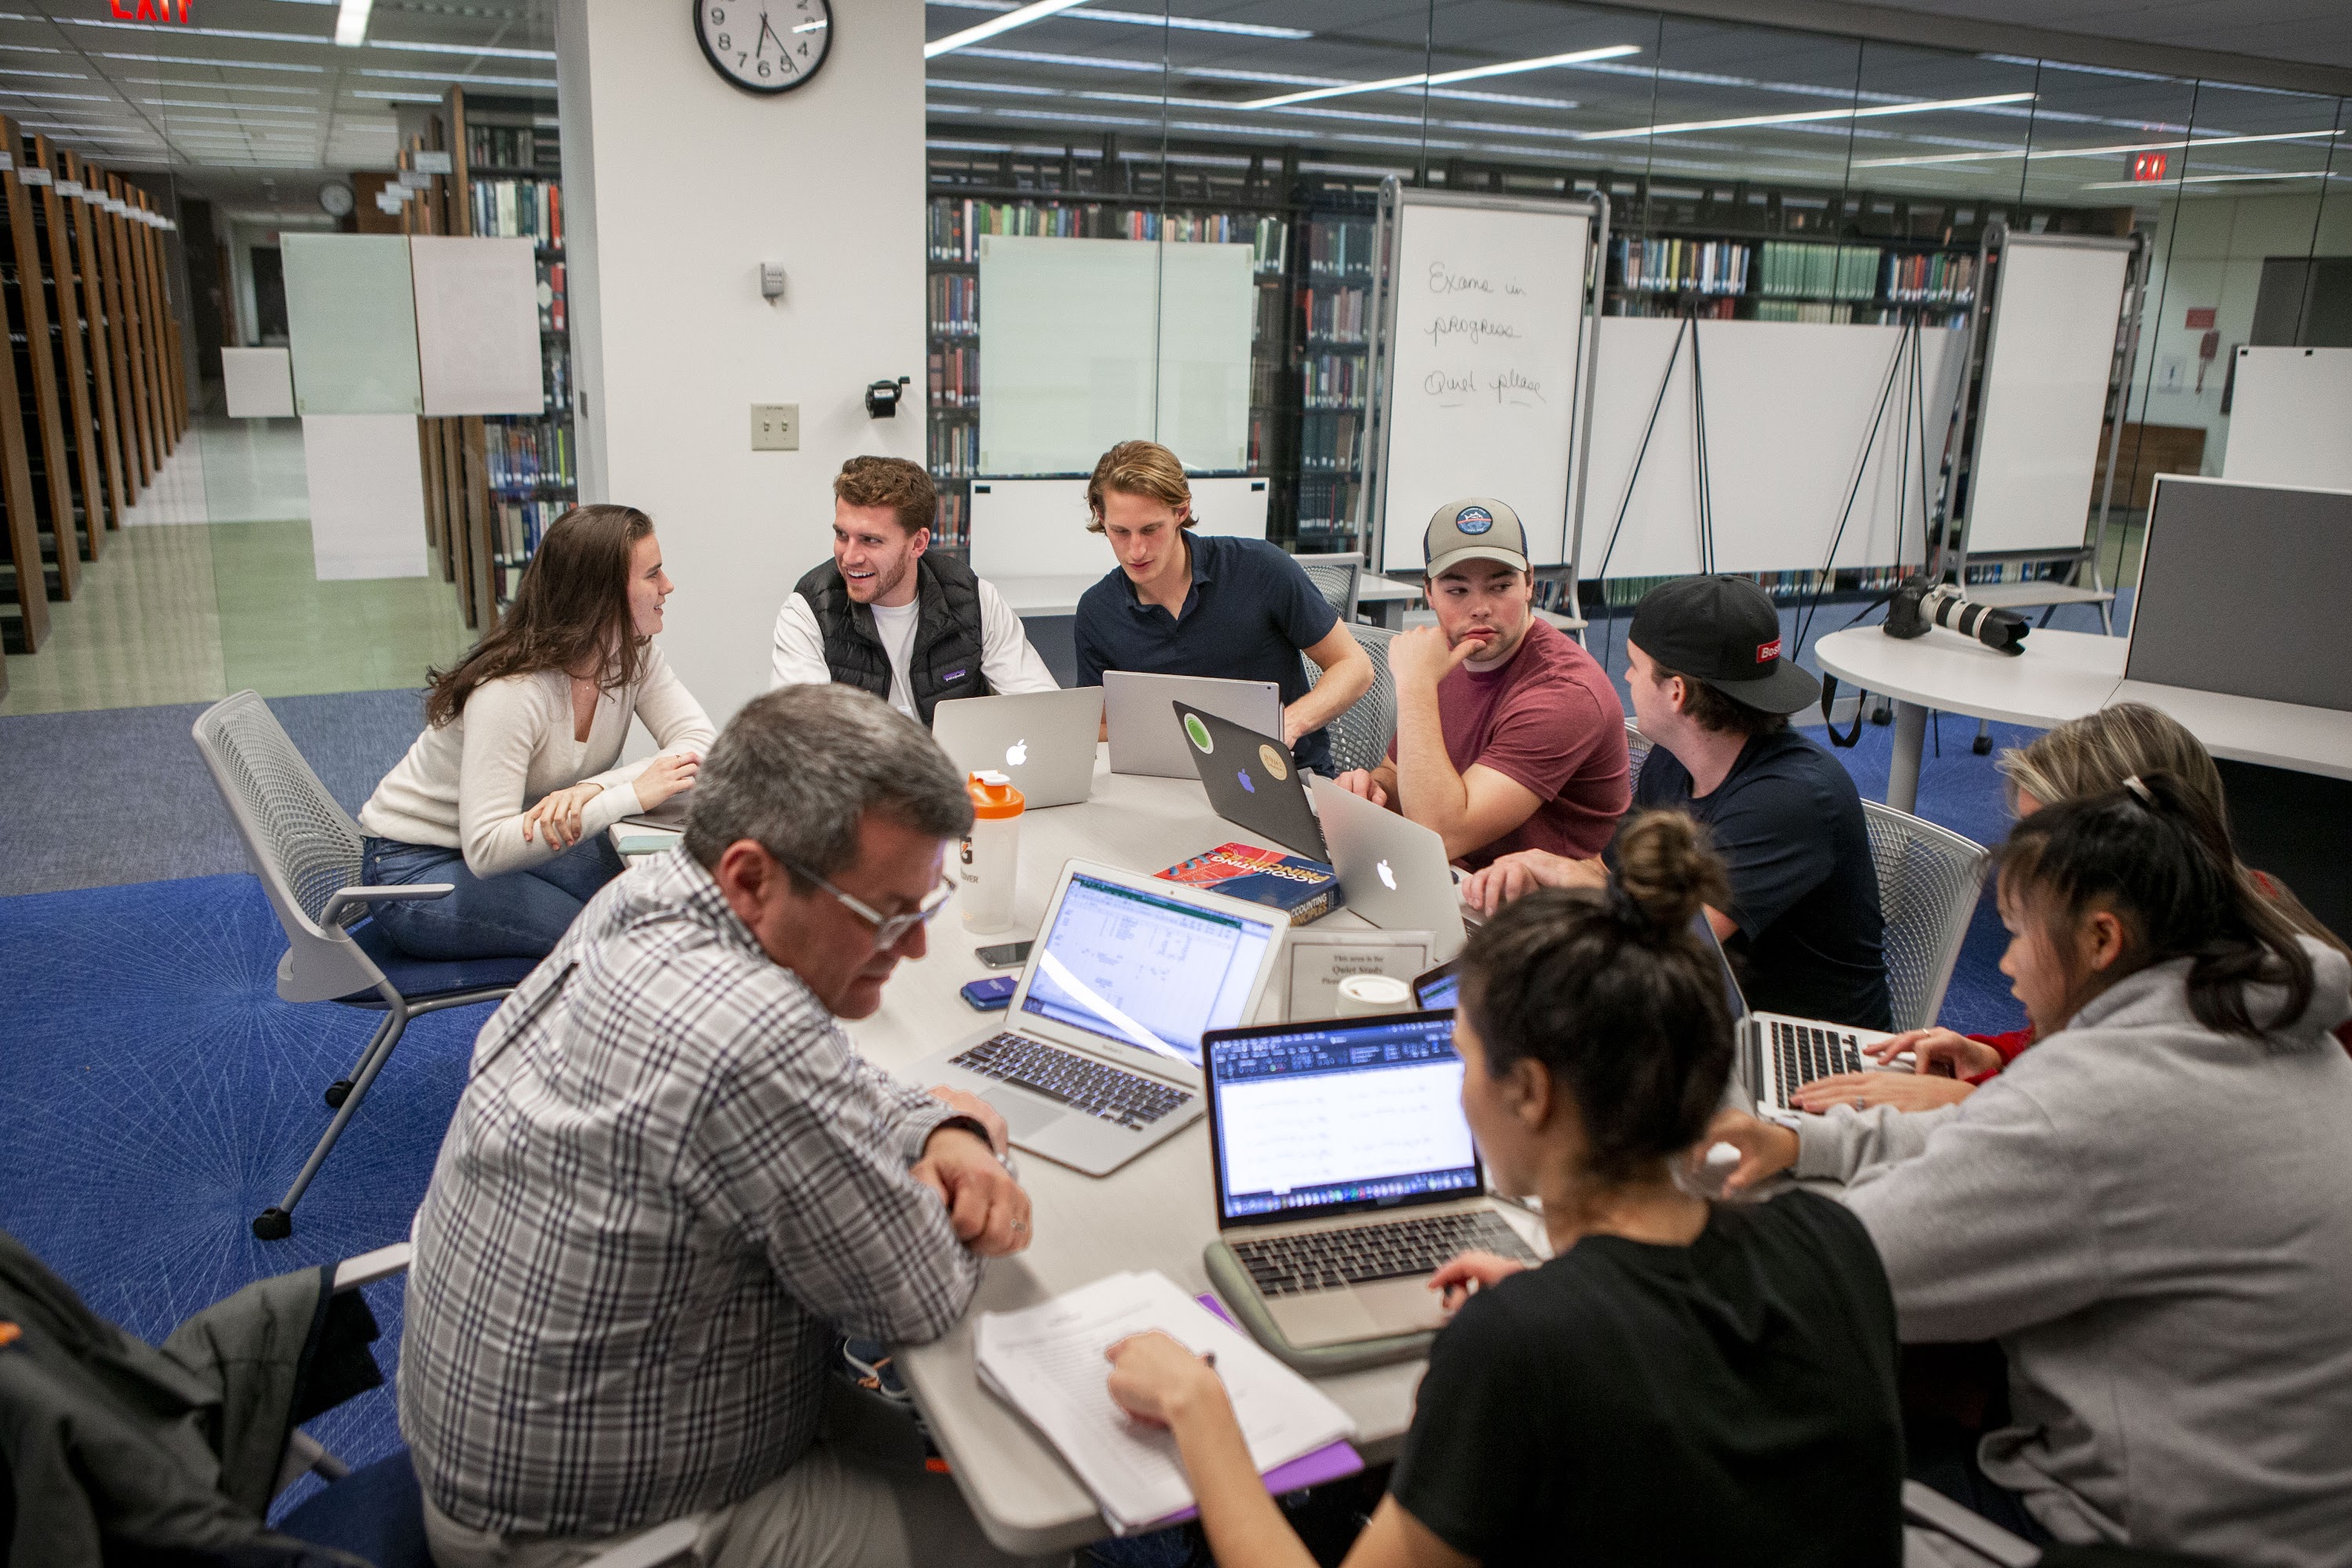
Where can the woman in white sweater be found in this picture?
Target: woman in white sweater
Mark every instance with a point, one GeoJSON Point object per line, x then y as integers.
{"type": "Point", "coordinates": [509, 789]}
{"type": "Point", "coordinates": [2151, 1210]}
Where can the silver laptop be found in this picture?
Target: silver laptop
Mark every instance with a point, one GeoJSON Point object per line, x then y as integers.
{"type": "Point", "coordinates": [1345, 1172]}
{"type": "Point", "coordinates": [1146, 738]}
{"type": "Point", "coordinates": [1099, 1057]}
{"type": "Point", "coordinates": [1776, 1054]}
{"type": "Point", "coordinates": [1043, 741]}
{"type": "Point", "coordinates": [1392, 870]}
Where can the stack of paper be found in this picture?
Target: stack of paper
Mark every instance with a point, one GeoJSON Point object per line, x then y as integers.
{"type": "Point", "coordinates": [1048, 1362]}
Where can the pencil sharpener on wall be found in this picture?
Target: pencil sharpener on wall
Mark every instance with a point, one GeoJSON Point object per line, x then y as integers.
{"type": "Point", "coordinates": [882, 398]}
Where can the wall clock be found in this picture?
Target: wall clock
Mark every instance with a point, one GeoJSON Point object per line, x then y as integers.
{"type": "Point", "coordinates": [764, 46]}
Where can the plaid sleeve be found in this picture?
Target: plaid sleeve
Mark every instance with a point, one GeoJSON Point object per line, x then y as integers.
{"type": "Point", "coordinates": [804, 1148]}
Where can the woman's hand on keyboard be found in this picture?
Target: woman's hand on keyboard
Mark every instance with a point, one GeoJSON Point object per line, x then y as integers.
{"type": "Point", "coordinates": [1939, 1052]}
{"type": "Point", "coordinates": [1903, 1090]}
{"type": "Point", "coordinates": [1459, 1273]}
{"type": "Point", "coordinates": [1765, 1149]}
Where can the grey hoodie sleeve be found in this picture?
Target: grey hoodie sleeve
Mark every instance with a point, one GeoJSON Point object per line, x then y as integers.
{"type": "Point", "coordinates": [1979, 1211]}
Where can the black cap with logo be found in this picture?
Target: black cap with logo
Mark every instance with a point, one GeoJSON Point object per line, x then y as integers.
{"type": "Point", "coordinates": [1724, 631]}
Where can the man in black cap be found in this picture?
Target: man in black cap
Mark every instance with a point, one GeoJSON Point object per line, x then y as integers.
{"type": "Point", "coordinates": [1712, 693]}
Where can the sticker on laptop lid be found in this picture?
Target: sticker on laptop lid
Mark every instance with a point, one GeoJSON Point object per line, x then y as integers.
{"type": "Point", "coordinates": [1199, 732]}
{"type": "Point", "coordinates": [1275, 763]}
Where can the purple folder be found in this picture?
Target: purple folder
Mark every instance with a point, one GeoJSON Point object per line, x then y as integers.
{"type": "Point", "coordinates": [1325, 1463]}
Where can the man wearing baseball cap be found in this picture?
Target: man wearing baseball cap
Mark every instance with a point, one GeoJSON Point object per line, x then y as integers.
{"type": "Point", "coordinates": [1712, 692]}
{"type": "Point", "coordinates": [1509, 737]}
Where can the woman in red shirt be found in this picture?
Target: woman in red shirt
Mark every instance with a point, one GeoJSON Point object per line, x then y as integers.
{"type": "Point", "coordinates": [2085, 756]}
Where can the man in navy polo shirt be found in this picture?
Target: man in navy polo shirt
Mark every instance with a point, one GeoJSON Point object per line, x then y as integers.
{"type": "Point", "coordinates": [1180, 604]}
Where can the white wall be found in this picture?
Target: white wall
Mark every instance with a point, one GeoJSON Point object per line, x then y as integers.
{"type": "Point", "coordinates": [675, 187]}
{"type": "Point", "coordinates": [2207, 251]}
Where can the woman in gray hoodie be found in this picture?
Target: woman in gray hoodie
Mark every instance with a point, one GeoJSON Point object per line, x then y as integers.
{"type": "Point", "coordinates": [2151, 1210]}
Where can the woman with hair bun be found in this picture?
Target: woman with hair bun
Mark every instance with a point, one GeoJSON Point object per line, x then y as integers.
{"type": "Point", "coordinates": [2151, 1210]}
{"type": "Point", "coordinates": [509, 791]}
{"type": "Point", "coordinates": [1685, 1381]}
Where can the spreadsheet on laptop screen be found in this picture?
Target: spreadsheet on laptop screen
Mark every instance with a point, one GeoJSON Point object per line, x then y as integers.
{"type": "Point", "coordinates": [1152, 972]}
{"type": "Point", "coordinates": [1339, 1112]}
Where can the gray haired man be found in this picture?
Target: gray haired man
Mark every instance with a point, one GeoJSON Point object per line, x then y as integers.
{"type": "Point", "coordinates": [671, 1182]}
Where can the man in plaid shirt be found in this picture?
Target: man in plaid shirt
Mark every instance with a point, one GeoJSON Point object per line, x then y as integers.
{"type": "Point", "coordinates": [671, 1182]}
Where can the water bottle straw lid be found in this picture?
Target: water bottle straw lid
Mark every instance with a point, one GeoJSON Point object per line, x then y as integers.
{"type": "Point", "coordinates": [993, 797]}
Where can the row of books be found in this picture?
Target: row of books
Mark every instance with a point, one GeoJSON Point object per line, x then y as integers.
{"type": "Point", "coordinates": [1336, 315]}
{"type": "Point", "coordinates": [1722, 308]}
{"type": "Point", "coordinates": [1266, 383]}
{"type": "Point", "coordinates": [1327, 442]}
{"type": "Point", "coordinates": [1336, 381]}
{"type": "Point", "coordinates": [955, 377]}
{"type": "Point", "coordinates": [552, 317]}
{"type": "Point", "coordinates": [955, 304]}
{"type": "Point", "coordinates": [1326, 514]}
{"type": "Point", "coordinates": [1802, 311]}
{"type": "Point", "coordinates": [517, 526]}
{"type": "Point", "coordinates": [1340, 249]}
{"type": "Point", "coordinates": [523, 455]}
{"type": "Point", "coordinates": [511, 208]}
{"type": "Point", "coordinates": [555, 377]}
{"type": "Point", "coordinates": [1840, 271]}
{"type": "Point", "coordinates": [505, 147]}
{"type": "Point", "coordinates": [950, 521]}
{"type": "Point", "coordinates": [1937, 279]}
{"type": "Point", "coordinates": [955, 450]}
{"type": "Point", "coordinates": [1266, 326]}
{"type": "Point", "coordinates": [1707, 265]}
{"type": "Point", "coordinates": [956, 227]}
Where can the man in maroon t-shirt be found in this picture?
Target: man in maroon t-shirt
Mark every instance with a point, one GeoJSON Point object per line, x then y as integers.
{"type": "Point", "coordinates": [1509, 735]}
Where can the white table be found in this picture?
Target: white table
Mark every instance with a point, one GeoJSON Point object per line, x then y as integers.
{"type": "Point", "coordinates": [2062, 675]}
{"type": "Point", "coordinates": [1383, 598]}
{"type": "Point", "coordinates": [1154, 1213]}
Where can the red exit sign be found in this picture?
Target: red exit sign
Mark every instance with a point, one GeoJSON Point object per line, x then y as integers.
{"type": "Point", "coordinates": [2146, 167]}
{"type": "Point", "coordinates": [150, 10]}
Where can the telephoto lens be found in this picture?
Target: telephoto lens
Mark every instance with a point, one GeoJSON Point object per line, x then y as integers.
{"type": "Point", "coordinates": [2000, 630]}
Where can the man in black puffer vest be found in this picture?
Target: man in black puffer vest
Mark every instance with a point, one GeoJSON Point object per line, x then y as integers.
{"type": "Point", "coordinates": [888, 617]}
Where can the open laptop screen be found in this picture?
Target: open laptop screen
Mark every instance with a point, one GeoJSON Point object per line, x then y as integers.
{"type": "Point", "coordinates": [1350, 1113]}
{"type": "Point", "coordinates": [1144, 970]}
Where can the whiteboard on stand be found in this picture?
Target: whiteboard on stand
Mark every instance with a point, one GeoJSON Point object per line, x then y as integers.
{"type": "Point", "coordinates": [2057, 300]}
{"type": "Point", "coordinates": [1484, 353]}
{"type": "Point", "coordinates": [2291, 418]}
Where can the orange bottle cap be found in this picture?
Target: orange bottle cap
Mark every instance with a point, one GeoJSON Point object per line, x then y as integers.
{"type": "Point", "coordinates": [993, 797]}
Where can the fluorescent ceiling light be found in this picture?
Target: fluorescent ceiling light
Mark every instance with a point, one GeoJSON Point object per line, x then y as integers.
{"type": "Point", "coordinates": [51, 76]}
{"type": "Point", "coordinates": [350, 23]}
{"type": "Point", "coordinates": [1037, 11]}
{"type": "Point", "coordinates": [2209, 180]}
{"type": "Point", "coordinates": [379, 94]}
{"type": "Point", "coordinates": [496, 51]}
{"type": "Point", "coordinates": [2189, 144]}
{"type": "Point", "coordinates": [198, 84]}
{"type": "Point", "coordinates": [69, 97]}
{"type": "Point", "coordinates": [1140, 18]}
{"type": "Point", "coordinates": [1807, 114]}
{"type": "Point", "coordinates": [466, 78]}
{"type": "Point", "coordinates": [152, 60]}
{"type": "Point", "coordinates": [1441, 79]}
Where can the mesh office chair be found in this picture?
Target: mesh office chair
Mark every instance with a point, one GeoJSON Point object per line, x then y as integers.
{"type": "Point", "coordinates": [1928, 881]}
{"type": "Point", "coordinates": [1337, 578]}
{"type": "Point", "coordinates": [1360, 736]}
{"type": "Point", "coordinates": [306, 850]}
{"type": "Point", "coordinates": [1637, 750]}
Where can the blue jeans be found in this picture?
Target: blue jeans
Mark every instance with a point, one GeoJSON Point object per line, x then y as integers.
{"type": "Point", "coordinates": [516, 914]}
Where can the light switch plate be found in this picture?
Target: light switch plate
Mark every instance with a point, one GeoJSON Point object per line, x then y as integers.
{"type": "Point", "coordinates": [775, 426]}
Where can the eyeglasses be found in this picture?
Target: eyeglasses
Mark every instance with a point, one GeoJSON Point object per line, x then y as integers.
{"type": "Point", "coordinates": [889, 930]}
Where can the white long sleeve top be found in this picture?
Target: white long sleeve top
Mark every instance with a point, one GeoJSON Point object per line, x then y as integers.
{"type": "Point", "coordinates": [1010, 664]}
{"type": "Point", "coordinates": [466, 785]}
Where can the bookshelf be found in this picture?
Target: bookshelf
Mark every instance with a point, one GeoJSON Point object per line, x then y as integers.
{"type": "Point", "coordinates": [1332, 293]}
{"type": "Point", "coordinates": [1788, 280]}
{"type": "Point", "coordinates": [960, 215]}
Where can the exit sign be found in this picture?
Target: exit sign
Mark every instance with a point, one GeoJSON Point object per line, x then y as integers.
{"type": "Point", "coordinates": [150, 10]}
{"type": "Point", "coordinates": [2146, 167]}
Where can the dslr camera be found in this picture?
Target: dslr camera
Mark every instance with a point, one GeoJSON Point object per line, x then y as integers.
{"type": "Point", "coordinates": [1921, 603]}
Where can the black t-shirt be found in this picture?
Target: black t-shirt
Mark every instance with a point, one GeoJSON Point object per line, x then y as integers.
{"type": "Point", "coordinates": [1787, 822]}
{"type": "Point", "coordinates": [1251, 612]}
{"type": "Point", "coordinates": [1732, 1401]}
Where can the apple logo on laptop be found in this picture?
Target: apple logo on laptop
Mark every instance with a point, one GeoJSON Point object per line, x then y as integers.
{"type": "Point", "coordinates": [1247, 787]}
{"type": "Point", "coordinates": [1017, 754]}
{"type": "Point", "coordinates": [1388, 878]}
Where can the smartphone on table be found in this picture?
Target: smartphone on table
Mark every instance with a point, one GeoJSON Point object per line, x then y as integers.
{"type": "Point", "coordinates": [1005, 955]}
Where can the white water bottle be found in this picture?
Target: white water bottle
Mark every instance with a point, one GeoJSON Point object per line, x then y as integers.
{"type": "Point", "coordinates": [992, 853]}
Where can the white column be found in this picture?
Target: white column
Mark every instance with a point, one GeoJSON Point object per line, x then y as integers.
{"type": "Point", "coordinates": [676, 186]}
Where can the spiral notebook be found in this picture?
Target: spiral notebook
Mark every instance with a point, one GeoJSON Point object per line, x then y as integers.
{"type": "Point", "coordinates": [1048, 1361]}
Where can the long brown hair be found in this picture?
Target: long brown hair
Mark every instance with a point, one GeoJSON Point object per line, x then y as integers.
{"type": "Point", "coordinates": [571, 607]}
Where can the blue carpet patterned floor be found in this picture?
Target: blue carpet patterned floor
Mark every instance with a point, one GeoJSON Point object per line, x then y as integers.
{"type": "Point", "coordinates": [157, 1095]}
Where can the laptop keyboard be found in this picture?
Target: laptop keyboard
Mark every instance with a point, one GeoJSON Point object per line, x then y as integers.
{"type": "Point", "coordinates": [1357, 1255]}
{"type": "Point", "coordinates": [1126, 1098]}
{"type": "Point", "coordinates": [1805, 1053]}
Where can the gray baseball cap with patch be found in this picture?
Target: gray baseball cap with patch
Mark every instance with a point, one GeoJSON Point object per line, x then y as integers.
{"type": "Point", "coordinates": [1477, 527]}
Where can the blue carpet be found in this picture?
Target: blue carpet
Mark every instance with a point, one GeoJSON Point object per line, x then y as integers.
{"type": "Point", "coordinates": [120, 794]}
{"type": "Point", "coordinates": [158, 1095]}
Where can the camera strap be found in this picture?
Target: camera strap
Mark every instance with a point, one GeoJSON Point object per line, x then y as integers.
{"type": "Point", "coordinates": [1852, 737]}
